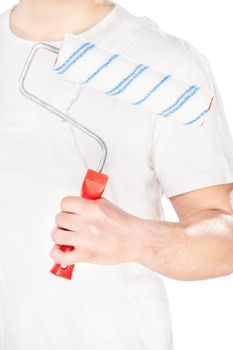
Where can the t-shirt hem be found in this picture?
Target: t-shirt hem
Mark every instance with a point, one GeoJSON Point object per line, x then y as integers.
{"type": "Point", "coordinates": [199, 181]}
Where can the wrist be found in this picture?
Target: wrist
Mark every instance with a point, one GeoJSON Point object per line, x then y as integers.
{"type": "Point", "coordinates": [145, 241]}
{"type": "Point", "coordinates": [154, 243]}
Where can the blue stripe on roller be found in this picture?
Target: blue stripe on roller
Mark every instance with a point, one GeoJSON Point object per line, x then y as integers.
{"type": "Point", "coordinates": [181, 100]}
{"type": "Point", "coordinates": [73, 54]}
{"type": "Point", "coordinates": [152, 90]}
{"type": "Point", "coordinates": [104, 65]}
{"type": "Point", "coordinates": [125, 79]}
{"type": "Point", "coordinates": [193, 120]}
{"type": "Point", "coordinates": [130, 81]}
{"type": "Point", "coordinates": [74, 58]}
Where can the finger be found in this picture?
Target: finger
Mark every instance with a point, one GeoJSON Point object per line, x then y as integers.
{"type": "Point", "coordinates": [68, 258]}
{"type": "Point", "coordinates": [60, 236]}
{"type": "Point", "coordinates": [78, 205]}
{"type": "Point", "coordinates": [63, 258]}
{"type": "Point", "coordinates": [69, 221]}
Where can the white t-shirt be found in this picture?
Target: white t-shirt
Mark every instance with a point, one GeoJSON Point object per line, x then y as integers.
{"type": "Point", "coordinates": [43, 159]}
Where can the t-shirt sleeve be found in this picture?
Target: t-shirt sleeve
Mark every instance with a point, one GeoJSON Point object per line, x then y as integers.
{"type": "Point", "coordinates": [186, 157]}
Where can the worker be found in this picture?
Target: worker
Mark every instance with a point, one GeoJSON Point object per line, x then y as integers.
{"type": "Point", "coordinates": [116, 299]}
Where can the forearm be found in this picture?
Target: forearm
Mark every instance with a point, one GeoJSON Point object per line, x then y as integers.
{"type": "Point", "coordinates": [198, 247]}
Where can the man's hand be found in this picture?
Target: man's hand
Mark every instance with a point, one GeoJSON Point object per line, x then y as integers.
{"type": "Point", "coordinates": [199, 246]}
{"type": "Point", "coordinates": [101, 233]}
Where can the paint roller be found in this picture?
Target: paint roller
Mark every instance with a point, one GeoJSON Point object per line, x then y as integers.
{"type": "Point", "coordinates": [85, 62]}
{"type": "Point", "coordinates": [116, 75]}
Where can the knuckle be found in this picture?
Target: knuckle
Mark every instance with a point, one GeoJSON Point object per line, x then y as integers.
{"type": "Point", "coordinates": [59, 259]}
{"type": "Point", "coordinates": [62, 220]}
{"type": "Point", "coordinates": [57, 236]}
{"type": "Point", "coordinates": [53, 254]}
{"type": "Point", "coordinates": [65, 201]}
{"type": "Point", "coordinates": [93, 230]}
{"type": "Point", "coordinates": [58, 218]}
{"type": "Point", "coordinates": [52, 233]}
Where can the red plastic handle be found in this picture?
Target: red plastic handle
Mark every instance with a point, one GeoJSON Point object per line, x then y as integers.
{"type": "Point", "coordinates": [92, 188]}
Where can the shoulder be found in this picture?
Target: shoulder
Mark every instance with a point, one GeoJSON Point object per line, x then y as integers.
{"type": "Point", "coordinates": [167, 52]}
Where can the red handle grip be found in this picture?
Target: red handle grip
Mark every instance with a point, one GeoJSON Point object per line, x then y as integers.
{"type": "Point", "coordinates": [92, 188]}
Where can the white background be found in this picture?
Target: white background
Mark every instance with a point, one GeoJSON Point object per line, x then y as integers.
{"type": "Point", "coordinates": [202, 312]}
